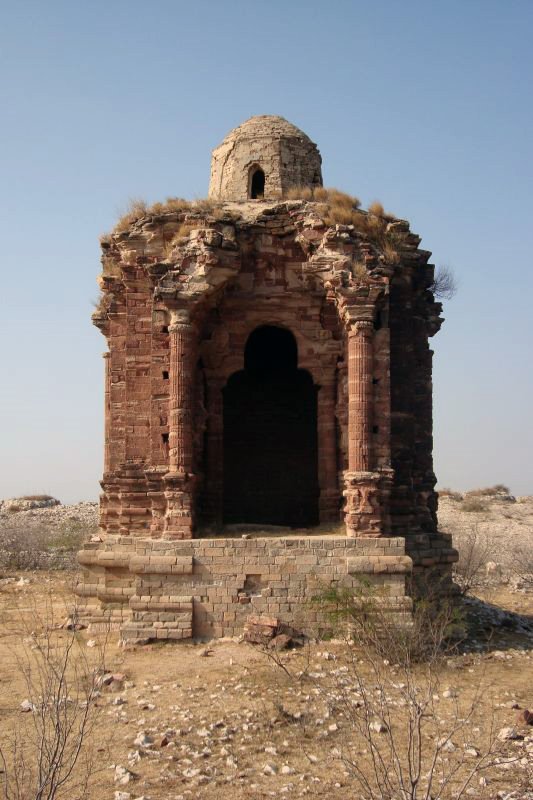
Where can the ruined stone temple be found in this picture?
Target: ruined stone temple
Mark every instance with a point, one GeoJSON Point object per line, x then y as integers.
{"type": "Point", "coordinates": [268, 400]}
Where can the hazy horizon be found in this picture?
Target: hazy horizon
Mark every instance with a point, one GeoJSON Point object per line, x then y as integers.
{"type": "Point", "coordinates": [426, 109]}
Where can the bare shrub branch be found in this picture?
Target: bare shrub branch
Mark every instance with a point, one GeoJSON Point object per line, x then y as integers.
{"type": "Point", "coordinates": [444, 285]}
{"type": "Point", "coordinates": [395, 742]}
{"type": "Point", "coordinates": [475, 552]}
{"type": "Point", "coordinates": [49, 756]}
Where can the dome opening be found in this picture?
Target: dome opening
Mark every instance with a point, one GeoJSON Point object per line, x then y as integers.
{"type": "Point", "coordinates": [257, 184]}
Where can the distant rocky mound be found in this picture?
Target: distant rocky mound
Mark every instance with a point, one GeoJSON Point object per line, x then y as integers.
{"type": "Point", "coordinates": [28, 502]}
{"type": "Point", "coordinates": [39, 532]}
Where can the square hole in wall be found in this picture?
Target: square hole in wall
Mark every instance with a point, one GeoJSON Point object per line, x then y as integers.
{"type": "Point", "coordinates": [253, 585]}
{"type": "Point", "coordinates": [165, 375]}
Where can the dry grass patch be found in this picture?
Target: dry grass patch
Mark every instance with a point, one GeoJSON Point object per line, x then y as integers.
{"type": "Point", "coordinates": [136, 209]}
{"type": "Point", "coordinates": [182, 235]}
{"type": "Point", "coordinates": [360, 272]}
{"type": "Point", "coordinates": [390, 253]}
{"type": "Point", "coordinates": [170, 204]}
{"type": "Point", "coordinates": [333, 197]}
{"type": "Point", "coordinates": [473, 505]}
{"type": "Point", "coordinates": [376, 208]}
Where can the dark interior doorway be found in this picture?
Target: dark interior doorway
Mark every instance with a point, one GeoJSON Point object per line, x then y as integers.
{"type": "Point", "coordinates": [270, 436]}
{"type": "Point", "coordinates": [257, 188]}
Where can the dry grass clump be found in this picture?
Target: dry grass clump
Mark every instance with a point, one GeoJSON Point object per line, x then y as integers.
{"type": "Point", "coordinates": [138, 208]}
{"type": "Point", "coordinates": [37, 497]}
{"type": "Point", "coordinates": [376, 208]}
{"type": "Point", "coordinates": [340, 208]}
{"type": "Point", "coordinates": [333, 197]}
{"type": "Point", "coordinates": [390, 253]}
{"type": "Point", "coordinates": [360, 272]}
{"type": "Point", "coordinates": [299, 193]}
{"type": "Point", "coordinates": [100, 304]}
{"type": "Point", "coordinates": [170, 204]}
{"type": "Point", "coordinates": [205, 205]}
{"type": "Point", "coordinates": [182, 235]}
{"type": "Point", "coordinates": [135, 210]}
{"type": "Point", "coordinates": [473, 505]}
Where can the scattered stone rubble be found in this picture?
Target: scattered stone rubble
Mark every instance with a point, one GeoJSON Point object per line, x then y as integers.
{"type": "Point", "coordinates": [249, 736]}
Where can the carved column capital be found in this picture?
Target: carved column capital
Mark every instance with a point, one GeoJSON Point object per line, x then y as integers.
{"type": "Point", "coordinates": [180, 318]}
{"type": "Point", "coordinates": [360, 327]}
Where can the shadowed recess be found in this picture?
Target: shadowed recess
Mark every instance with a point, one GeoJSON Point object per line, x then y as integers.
{"type": "Point", "coordinates": [270, 436]}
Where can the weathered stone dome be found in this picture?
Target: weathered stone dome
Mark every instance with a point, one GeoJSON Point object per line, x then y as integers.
{"type": "Point", "coordinates": [261, 159]}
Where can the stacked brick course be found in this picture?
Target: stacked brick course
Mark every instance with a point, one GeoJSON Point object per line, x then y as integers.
{"type": "Point", "coordinates": [153, 589]}
{"type": "Point", "coordinates": [182, 292]}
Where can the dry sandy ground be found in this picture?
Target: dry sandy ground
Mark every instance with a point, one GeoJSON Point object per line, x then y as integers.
{"type": "Point", "coordinates": [239, 727]}
{"type": "Point", "coordinates": [236, 724]}
{"type": "Point", "coordinates": [505, 528]}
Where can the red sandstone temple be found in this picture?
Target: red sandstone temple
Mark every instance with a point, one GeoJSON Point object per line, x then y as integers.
{"type": "Point", "coordinates": [268, 365]}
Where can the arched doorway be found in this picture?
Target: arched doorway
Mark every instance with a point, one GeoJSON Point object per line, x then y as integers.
{"type": "Point", "coordinates": [257, 184]}
{"type": "Point", "coordinates": [270, 435]}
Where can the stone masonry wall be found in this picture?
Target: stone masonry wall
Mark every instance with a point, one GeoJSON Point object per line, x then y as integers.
{"type": "Point", "coordinates": [360, 318]}
{"type": "Point", "coordinates": [208, 587]}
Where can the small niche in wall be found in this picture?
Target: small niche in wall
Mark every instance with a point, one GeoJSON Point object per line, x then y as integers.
{"type": "Point", "coordinates": [164, 329]}
{"type": "Point", "coordinates": [253, 585]}
{"type": "Point", "coordinates": [165, 375]}
{"type": "Point", "coordinates": [375, 428]}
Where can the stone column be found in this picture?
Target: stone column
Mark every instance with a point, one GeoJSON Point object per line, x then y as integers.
{"type": "Point", "coordinates": [179, 480]}
{"type": "Point", "coordinates": [360, 396]}
{"type": "Point", "coordinates": [327, 451]}
{"type": "Point", "coordinates": [181, 393]}
{"type": "Point", "coordinates": [214, 478]}
{"type": "Point", "coordinates": [107, 412]}
{"type": "Point", "coordinates": [364, 509]}
{"type": "Point", "coordinates": [104, 497]}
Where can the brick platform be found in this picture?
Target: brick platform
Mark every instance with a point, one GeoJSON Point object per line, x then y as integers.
{"type": "Point", "coordinates": [208, 587]}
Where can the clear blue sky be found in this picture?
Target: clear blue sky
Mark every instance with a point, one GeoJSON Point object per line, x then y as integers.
{"type": "Point", "coordinates": [426, 106]}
